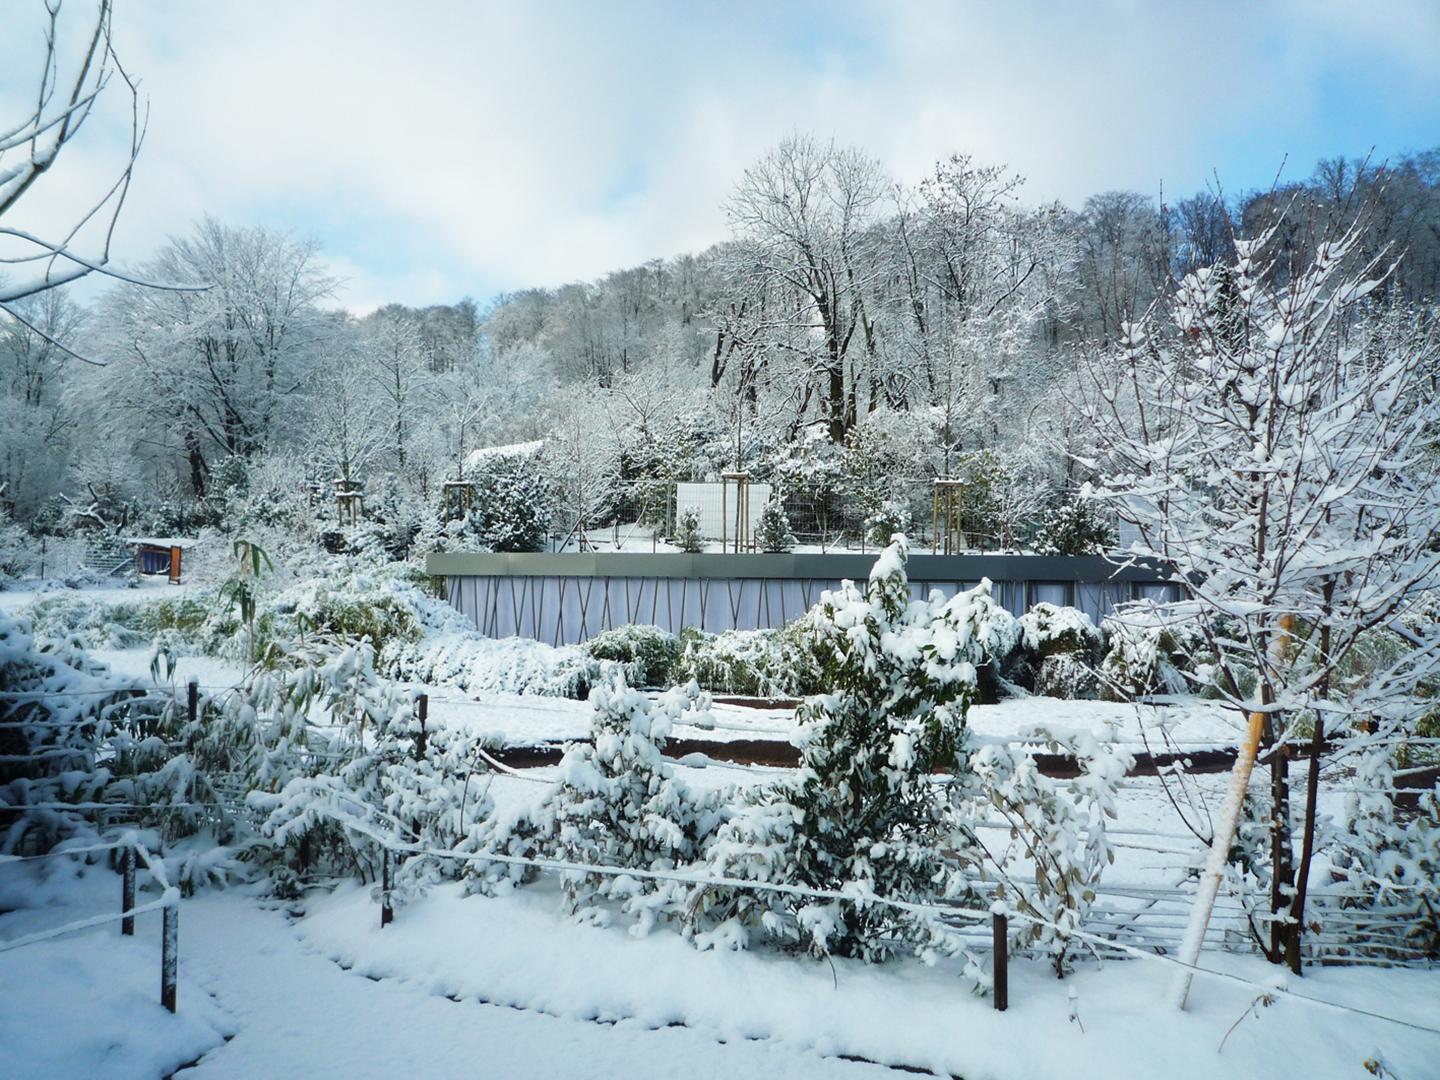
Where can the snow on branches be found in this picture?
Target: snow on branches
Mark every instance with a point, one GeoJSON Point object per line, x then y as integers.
{"type": "Point", "coordinates": [1273, 444]}
{"type": "Point", "coordinates": [620, 804]}
{"type": "Point", "coordinates": [864, 815]}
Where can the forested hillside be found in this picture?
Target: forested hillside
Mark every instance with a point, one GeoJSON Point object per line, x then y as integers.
{"type": "Point", "coordinates": [848, 325]}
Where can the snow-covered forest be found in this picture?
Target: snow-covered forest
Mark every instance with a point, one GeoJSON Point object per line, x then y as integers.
{"type": "Point", "coordinates": [850, 329]}
{"type": "Point", "coordinates": [1165, 801]}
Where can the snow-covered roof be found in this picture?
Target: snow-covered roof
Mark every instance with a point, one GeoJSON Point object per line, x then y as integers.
{"type": "Point", "coordinates": [522, 449]}
{"type": "Point", "coordinates": [161, 541]}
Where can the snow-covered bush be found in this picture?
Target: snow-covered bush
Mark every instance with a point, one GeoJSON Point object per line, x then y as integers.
{"type": "Point", "coordinates": [756, 663]}
{"type": "Point", "coordinates": [89, 622]}
{"type": "Point", "coordinates": [863, 815]}
{"type": "Point", "coordinates": [648, 654]}
{"type": "Point", "coordinates": [17, 550]}
{"type": "Point", "coordinates": [1047, 629]}
{"type": "Point", "coordinates": [688, 536]}
{"type": "Point", "coordinates": [992, 633]}
{"type": "Point", "coordinates": [478, 664]}
{"type": "Point", "coordinates": [335, 602]}
{"type": "Point", "coordinates": [1386, 863]}
{"type": "Point", "coordinates": [772, 529]}
{"type": "Point", "coordinates": [620, 804]}
{"type": "Point", "coordinates": [1150, 652]}
{"type": "Point", "coordinates": [1058, 652]}
{"type": "Point", "coordinates": [58, 746]}
{"type": "Point", "coordinates": [891, 517]}
{"type": "Point", "coordinates": [375, 776]}
{"type": "Point", "coordinates": [1056, 830]}
{"type": "Point", "coordinates": [1075, 526]}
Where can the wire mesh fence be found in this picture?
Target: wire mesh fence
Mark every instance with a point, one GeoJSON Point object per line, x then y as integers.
{"type": "Point", "coordinates": [645, 515]}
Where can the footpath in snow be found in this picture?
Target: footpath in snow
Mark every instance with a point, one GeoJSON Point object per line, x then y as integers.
{"type": "Point", "coordinates": [516, 950]}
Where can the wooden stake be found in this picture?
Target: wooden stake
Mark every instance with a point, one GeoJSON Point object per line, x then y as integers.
{"type": "Point", "coordinates": [127, 891]}
{"type": "Point", "coordinates": [169, 954]}
{"type": "Point", "coordinates": [1000, 959]}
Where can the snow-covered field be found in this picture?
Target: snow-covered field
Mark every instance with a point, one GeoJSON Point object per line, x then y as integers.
{"type": "Point", "coordinates": [505, 987]}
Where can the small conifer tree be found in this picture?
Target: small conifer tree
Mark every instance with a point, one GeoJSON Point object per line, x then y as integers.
{"type": "Point", "coordinates": [864, 816]}
{"type": "Point", "coordinates": [772, 532]}
{"type": "Point", "coordinates": [687, 531]}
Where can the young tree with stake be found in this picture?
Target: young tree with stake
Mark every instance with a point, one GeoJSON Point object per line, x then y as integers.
{"type": "Point", "coordinates": [1281, 460]}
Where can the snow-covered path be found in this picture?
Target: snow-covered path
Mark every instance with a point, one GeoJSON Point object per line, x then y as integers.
{"type": "Point", "coordinates": [299, 1014]}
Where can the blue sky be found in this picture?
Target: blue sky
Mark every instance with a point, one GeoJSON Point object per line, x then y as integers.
{"type": "Point", "coordinates": [438, 150]}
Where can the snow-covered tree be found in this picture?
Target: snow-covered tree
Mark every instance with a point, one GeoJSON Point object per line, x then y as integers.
{"type": "Point", "coordinates": [1280, 458]}
{"type": "Point", "coordinates": [864, 815]}
{"type": "Point", "coordinates": [620, 804]}
{"type": "Point", "coordinates": [688, 536]}
{"type": "Point", "coordinates": [1073, 527]}
{"type": "Point", "coordinates": [772, 529]}
{"type": "Point", "coordinates": [234, 359]}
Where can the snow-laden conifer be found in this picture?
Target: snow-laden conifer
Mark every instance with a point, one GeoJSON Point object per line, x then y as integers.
{"type": "Point", "coordinates": [619, 803]}
{"type": "Point", "coordinates": [864, 815]}
{"type": "Point", "coordinates": [772, 529]}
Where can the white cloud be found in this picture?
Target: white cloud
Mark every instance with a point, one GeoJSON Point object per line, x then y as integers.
{"type": "Point", "coordinates": [445, 149]}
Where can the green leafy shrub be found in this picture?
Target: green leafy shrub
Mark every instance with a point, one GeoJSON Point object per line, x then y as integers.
{"type": "Point", "coordinates": [756, 663]}
{"type": "Point", "coordinates": [650, 655]}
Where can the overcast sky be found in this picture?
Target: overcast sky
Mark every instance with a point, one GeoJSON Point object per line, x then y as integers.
{"type": "Point", "coordinates": [440, 150]}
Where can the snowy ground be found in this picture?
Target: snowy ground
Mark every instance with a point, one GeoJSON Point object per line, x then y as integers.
{"type": "Point", "coordinates": [148, 588]}
{"type": "Point", "coordinates": [504, 987]}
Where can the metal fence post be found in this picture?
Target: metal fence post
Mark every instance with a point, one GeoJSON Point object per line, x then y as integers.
{"type": "Point", "coordinates": [192, 700]}
{"type": "Point", "coordinates": [127, 891]}
{"type": "Point", "coordinates": [423, 708]}
{"type": "Point", "coordinates": [1000, 959]}
{"type": "Point", "coordinates": [169, 958]}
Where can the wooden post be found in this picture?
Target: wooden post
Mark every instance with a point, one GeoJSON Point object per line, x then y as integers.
{"type": "Point", "coordinates": [1000, 959]}
{"type": "Point", "coordinates": [127, 891]}
{"type": "Point", "coordinates": [423, 708]}
{"type": "Point", "coordinates": [175, 565]}
{"type": "Point", "coordinates": [192, 700]}
{"type": "Point", "coordinates": [724, 510]}
{"type": "Point", "coordinates": [169, 956]}
{"type": "Point", "coordinates": [387, 913]}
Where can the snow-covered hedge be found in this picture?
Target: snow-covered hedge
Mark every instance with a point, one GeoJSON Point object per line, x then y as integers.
{"type": "Point", "coordinates": [758, 663]}
{"type": "Point", "coordinates": [1058, 651]}
{"type": "Point", "coordinates": [649, 654]}
{"type": "Point", "coordinates": [495, 665]}
{"type": "Point", "coordinates": [89, 622]}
